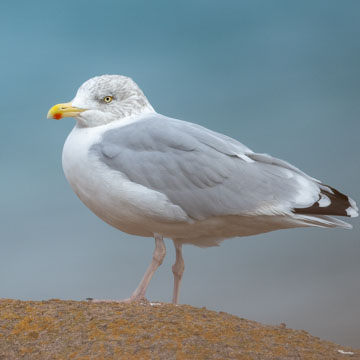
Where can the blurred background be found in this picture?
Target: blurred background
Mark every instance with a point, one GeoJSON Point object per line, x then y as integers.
{"type": "Point", "coordinates": [283, 77]}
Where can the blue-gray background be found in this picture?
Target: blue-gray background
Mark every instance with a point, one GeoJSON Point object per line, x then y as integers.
{"type": "Point", "coordinates": [281, 76]}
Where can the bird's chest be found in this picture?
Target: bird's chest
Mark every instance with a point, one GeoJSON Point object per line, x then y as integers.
{"type": "Point", "coordinates": [94, 184]}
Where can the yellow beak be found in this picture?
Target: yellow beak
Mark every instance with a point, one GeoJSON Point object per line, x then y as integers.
{"type": "Point", "coordinates": [60, 111]}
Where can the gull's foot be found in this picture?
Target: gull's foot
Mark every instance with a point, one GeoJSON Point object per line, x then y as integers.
{"type": "Point", "coordinates": [128, 300]}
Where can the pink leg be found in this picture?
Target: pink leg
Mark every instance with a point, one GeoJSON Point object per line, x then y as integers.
{"type": "Point", "coordinates": [178, 270]}
{"type": "Point", "coordinates": [158, 257]}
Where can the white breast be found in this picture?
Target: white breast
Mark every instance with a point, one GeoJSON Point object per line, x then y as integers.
{"type": "Point", "coordinates": [127, 206]}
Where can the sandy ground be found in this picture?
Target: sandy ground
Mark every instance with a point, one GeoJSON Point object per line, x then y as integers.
{"type": "Point", "coordinates": [57, 329]}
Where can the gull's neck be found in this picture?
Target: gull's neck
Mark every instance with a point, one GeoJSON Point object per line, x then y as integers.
{"type": "Point", "coordinates": [135, 105]}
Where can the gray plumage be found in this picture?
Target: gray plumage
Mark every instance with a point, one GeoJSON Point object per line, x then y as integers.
{"type": "Point", "coordinates": [205, 173]}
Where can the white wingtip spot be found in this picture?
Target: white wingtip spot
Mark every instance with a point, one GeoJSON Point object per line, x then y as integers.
{"type": "Point", "coordinates": [324, 201]}
{"type": "Point", "coordinates": [350, 211]}
{"type": "Point", "coordinates": [329, 190]}
{"type": "Point", "coordinates": [353, 204]}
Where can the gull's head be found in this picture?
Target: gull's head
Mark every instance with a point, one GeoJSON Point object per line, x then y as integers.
{"type": "Point", "coordinates": [103, 99]}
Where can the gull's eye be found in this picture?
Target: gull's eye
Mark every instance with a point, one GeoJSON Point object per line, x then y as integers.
{"type": "Point", "coordinates": [108, 99]}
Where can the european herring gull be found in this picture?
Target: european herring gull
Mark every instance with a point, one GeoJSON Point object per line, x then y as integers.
{"type": "Point", "coordinates": [150, 175]}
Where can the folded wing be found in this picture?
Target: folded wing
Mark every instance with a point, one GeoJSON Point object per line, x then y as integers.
{"type": "Point", "coordinates": [209, 174]}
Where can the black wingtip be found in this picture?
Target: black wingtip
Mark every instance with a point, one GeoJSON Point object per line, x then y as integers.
{"type": "Point", "coordinates": [339, 205]}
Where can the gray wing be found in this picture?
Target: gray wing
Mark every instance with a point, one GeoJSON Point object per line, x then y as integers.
{"type": "Point", "coordinates": [205, 173]}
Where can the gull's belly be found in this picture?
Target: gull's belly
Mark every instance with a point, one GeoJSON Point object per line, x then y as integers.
{"type": "Point", "coordinates": [121, 203]}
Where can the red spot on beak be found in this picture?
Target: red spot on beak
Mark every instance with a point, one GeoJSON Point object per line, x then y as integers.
{"type": "Point", "coordinates": [57, 116]}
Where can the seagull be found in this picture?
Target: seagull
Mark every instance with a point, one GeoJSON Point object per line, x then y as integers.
{"type": "Point", "coordinates": [154, 176]}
